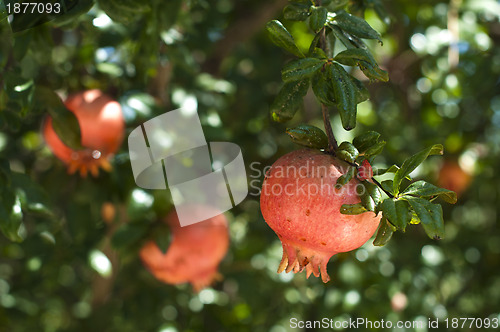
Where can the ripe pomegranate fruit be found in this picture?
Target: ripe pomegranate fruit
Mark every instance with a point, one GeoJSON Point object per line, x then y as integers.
{"type": "Point", "coordinates": [102, 129]}
{"type": "Point", "coordinates": [453, 177]}
{"type": "Point", "coordinates": [193, 255]}
{"type": "Point", "coordinates": [300, 203]}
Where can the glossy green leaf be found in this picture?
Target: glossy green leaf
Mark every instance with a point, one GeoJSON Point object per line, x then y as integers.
{"type": "Point", "coordinates": [349, 147]}
{"type": "Point", "coordinates": [397, 212]}
{"type": "Point", "coordinates": [280, 36]}
{"type": "Point", "coordinates": [319, 53]}
{"type": "Point", "coordinates": [384, 233]}
{"type": "Point", "coordinates": [365, 192]}
{"type": "Point", "coordinates": [300, 69]}
{"type": "Point", "coordinates": [309, 136]}
{"type": "Point", "coordinates": [355, 26]}
{"type": "Point", "coordinates": [382, 171]}
{"type": "Point", "coordinates": [387, 185]}
{"type": "Point", "coordinates": [373, 72]}
{"type": "Point", "coordinates": [430, 215]}
{"type": "Point", "coordinates": [425, 189]}
{"type": "Point", "coordinates": [341, 35]}
{"type": "Point", "coordinates": [322, 88]}
{"type": "Point", "coordinates": [375, 149]}
{"type": "Point", "coordinates": [345, 95]}
{"type": "Point", "coordinates": [289, 100]}
{"type": "Point", "coordinates": [345, 178]}
{"type": "Point", "coordinates": [352, 56]}
{"type": "Point", "coordinates": [362, 92]}
{"type": "Point", "coordinates": [413, 162]}
{"type": "Point", "coordinates": [345, 156]}
{"type": "Point", "coordinates": [318, 18]}
{"type": "Point", "coordinates": [366, 140]}
{"type": "Point", "coordinates": [352, 209]}
{"type": "Point", "coordinates": [296, 12]}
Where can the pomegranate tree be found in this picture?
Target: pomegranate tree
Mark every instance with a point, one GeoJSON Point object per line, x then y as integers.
{"type": "Point", "coordinates": [102, 128]}
{"type": "Point", "coordinates": [193, 255]}
{"type": "Point", "coordinates": [300, 202]}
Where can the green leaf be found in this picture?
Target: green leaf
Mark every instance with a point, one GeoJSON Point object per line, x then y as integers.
{"type": "Point", "coordinates": [397, 212]}
{"type": "Point", "coordinates": [346, 146]}
{"type": "Point", "coordinates": [425, 189]}
{"type": "Point", "coordinates": [345, 156]}
{"type": "Point", "coordinates": [352, 209]}
{"type": "Point", "coordinates": [384, 234]}
{"type": "Point", "coordinates": [362, 93]}
{"type": "Point", "coordinates": [345, 95]}
{"type": "Point", "coordinates": [352, 56]}
{"type": "Point", "coordinates": [373, 191]}
{"type": "Point", "coordinates": [366, 140]}
{"type": "Point", "coordinates": [387, 186]}
{"type": "Point", "coordinates": [355, 26]}
{"type": "Point", "coordinates": [404, 214]}
{"type": "Point", "coordinates": [413, 162]}
{"type": "Point", "coordinates": [289, 100]}
{"type": "Point", "coordinates": [64, 122]}
{"type": "Point", "coordinates": [280, 36]}
{"type": "Point", "coordinates": [322, 88]}
{"type": "Point", "coordinates": [318, 18]}
{"type": "Point", "coordinates": [314, 43]}
{"type": "Point", "coordinates": [296, 12]}
{"type": "Point", "coordinates": [375, 149]}
{"type": "Point", "coordinates": [319, 53]}
{"type": "Point", "coordinates": [430, 215]}
{"type": "Point", "coordinates": [345, 178]}
{"type": "Point", "coordinates": [373, 71]}
{"type": "Point", "coordinates": [341, 35]}
{"type": "Point", "coordinates": [382, 171]}
{"type": "Point", "coordinates": [365, 61]}
{"type": "Point", "coordinates": [300, 69]}
{"type": "Point", "coordinates": [365, 192]}
{"type": "Point", "coordinates": [309, 136]}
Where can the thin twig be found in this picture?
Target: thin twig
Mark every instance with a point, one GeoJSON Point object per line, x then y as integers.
{"type": "Point", "coordinates": [332, 142]}
{"type": "Point", "coordinates": [380, 186]}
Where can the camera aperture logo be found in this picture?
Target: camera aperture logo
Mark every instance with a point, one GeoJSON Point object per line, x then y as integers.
{"type": "Point", "coordinates": [170, 150]}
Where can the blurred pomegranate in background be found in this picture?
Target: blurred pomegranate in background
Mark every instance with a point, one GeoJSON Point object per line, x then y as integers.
{"type": "Point", "coordinates": [102, 128]}
{"type": "Point", "coordinates": [453, 177]}
{"type": "Point", "coordinates": [193, 255]}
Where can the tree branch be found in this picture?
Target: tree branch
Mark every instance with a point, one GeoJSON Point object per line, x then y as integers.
{"type": "Point", "coordinates": [239, 32]}
{"type": "Point", "coordinates": [332, 142]}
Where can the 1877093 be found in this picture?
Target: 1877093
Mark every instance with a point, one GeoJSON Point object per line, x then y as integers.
{"type": "Point", "coordinates": [33, 8]}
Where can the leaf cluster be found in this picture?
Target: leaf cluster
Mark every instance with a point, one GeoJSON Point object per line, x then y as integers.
{"type": "Point", "coordinates": [319, 67]}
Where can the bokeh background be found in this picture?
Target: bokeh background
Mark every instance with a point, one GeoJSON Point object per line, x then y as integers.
{"type": "Point", "coordinates": [65, 269]}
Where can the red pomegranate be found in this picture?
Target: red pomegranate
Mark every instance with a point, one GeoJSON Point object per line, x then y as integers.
{"type": "Point", "coordinates": [102, 129]}
{"type": "Point", "coordinates": [193, 255]}
{"type": "Point", "coordinates": [300, 203]}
